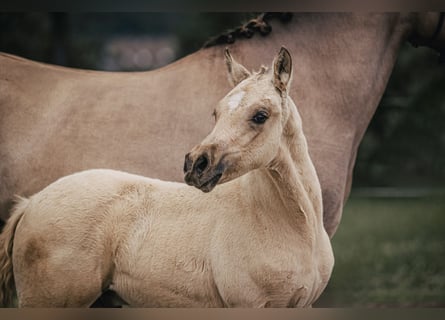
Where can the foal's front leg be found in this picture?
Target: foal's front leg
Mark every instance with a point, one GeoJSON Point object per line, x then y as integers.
{"type": "Point", "coordinates": [281, 289]}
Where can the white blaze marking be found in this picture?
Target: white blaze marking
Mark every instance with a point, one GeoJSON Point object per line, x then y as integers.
{"type": "Point", "coordinates": [235, 100]}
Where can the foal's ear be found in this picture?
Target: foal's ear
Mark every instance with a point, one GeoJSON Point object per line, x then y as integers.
{"type": "Point", "coordinates": [236, 71]}
{"type": "Point", "coordinates": [282, 70]}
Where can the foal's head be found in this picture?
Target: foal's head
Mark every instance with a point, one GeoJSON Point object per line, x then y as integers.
{"type": "Point", "coordinates": [249, 125]}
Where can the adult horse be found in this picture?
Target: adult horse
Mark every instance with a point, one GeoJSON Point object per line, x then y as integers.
{"type": "Point", "coordinates": [55, 120]}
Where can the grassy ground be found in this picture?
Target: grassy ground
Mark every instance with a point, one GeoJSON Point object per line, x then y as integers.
{"type": "Point", "coordinates": [389, 253]}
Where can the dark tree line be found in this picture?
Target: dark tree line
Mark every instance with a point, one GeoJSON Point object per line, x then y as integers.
{"type": "Point", "coordinates": [405, 142]}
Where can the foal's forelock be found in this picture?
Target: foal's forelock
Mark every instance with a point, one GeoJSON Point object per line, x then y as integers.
{"type": "Point", "coordinates": [234, 99]}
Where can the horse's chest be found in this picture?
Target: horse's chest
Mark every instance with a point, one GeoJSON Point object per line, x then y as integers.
{"type": "Point", "coordinates": [286, 285]}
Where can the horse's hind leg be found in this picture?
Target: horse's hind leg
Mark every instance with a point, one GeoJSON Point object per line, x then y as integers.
{"type": "Point", "coordinates": [56, 288]}
{"type": "Point", "coordinates": [56, 278]}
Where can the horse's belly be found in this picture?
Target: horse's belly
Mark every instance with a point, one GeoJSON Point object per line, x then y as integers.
{"type": "Point", "coordinates": [167, 290]}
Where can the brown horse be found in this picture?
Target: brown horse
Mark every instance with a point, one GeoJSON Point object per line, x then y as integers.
{"type": "Point", "coordinates": [256, 240]}
{"type": "Point", "coordinates": [55, 120]}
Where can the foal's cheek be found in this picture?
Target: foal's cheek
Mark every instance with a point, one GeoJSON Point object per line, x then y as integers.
{"type": "Point", "coordinates": [269, 151]}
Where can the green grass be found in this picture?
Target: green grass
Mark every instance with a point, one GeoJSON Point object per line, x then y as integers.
{"type": "Point", "coordinates": [389, 253]}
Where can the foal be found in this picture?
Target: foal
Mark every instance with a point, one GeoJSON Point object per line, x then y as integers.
{"type": "Point", "coordinates": [256, 241]}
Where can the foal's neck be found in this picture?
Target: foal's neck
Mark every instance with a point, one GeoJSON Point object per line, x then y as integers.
{"type": "Point", "coordinates": [292, 177]}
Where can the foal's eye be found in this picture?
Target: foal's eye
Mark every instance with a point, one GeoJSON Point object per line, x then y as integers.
{"type": "Point", "coordinates": [260, 117]}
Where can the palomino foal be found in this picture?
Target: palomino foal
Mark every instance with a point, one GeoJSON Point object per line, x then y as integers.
{"type": "Point", "coordinates": [257, 240]}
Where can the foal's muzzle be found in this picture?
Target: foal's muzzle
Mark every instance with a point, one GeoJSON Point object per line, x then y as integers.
{"type": "Point", "coordinates": [200, 172]}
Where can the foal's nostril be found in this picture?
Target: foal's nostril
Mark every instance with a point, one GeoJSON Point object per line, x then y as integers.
{"type": "Point", "coordinates": [187, 163]}
{"type": "Point", "coordinates": [201, 164]}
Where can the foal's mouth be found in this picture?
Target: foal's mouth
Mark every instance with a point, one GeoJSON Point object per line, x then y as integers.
{"type": "Point", "coordinates": [208, 185]}
{"type": "Point", "coordinates": [205, 186]}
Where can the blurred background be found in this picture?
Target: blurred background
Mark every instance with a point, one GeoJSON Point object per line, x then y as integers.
{"type": "Point", "coordinates": [390, 246]}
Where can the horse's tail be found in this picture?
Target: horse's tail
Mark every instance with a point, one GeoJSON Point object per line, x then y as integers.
{"type": "Point", "coordinates": [7, 284]}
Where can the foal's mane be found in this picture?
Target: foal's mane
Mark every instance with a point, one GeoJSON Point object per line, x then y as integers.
{"type": "Point", "coordinates": [247, 30]}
